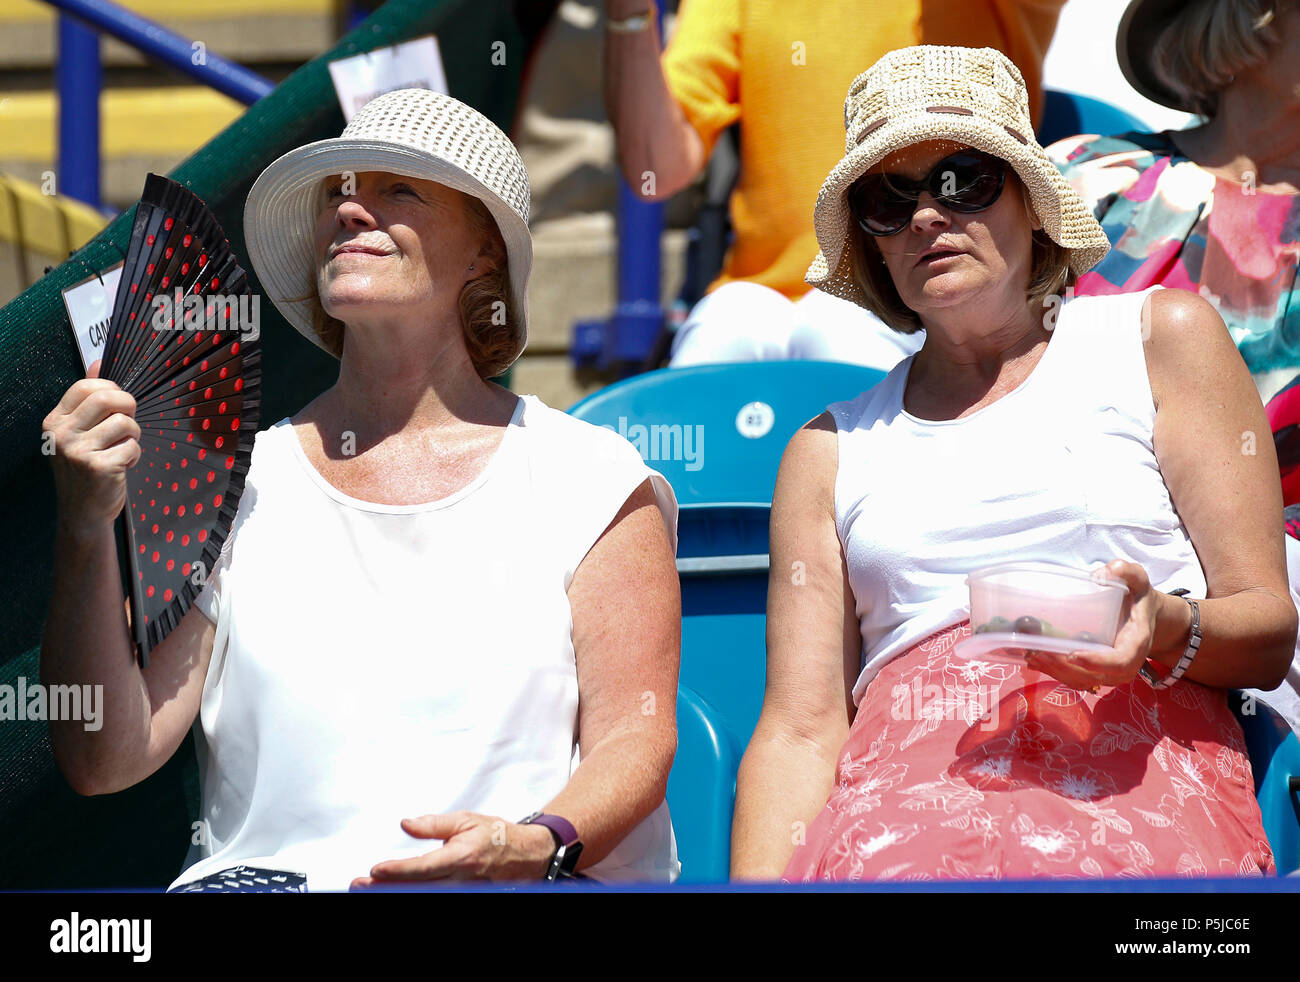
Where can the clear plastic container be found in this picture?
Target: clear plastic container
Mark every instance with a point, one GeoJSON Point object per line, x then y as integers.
{"type": "Point", "coordinates": [1042, 606]}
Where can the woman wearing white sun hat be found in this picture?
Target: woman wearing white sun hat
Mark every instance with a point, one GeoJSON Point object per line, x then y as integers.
{"type": "Point", "coordinates": [1101, 431]}
{"type": "Point", "coordinates": [442, 607]}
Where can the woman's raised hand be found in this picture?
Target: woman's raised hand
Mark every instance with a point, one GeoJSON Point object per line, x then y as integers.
{"type": "Point", "coordinates": [96, 440]}
{"type": "Point", "coordinates": [1137, 631]}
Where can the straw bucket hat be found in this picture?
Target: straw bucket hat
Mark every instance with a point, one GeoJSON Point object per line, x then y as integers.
{"type": "Point", "coordinates": [412, 132]}
{"type": "Point", "coordinates": [974, 96]}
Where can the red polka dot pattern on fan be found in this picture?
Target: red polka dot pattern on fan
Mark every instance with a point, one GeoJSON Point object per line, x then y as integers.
{"type": "Point", "coordinates": [186, 354]}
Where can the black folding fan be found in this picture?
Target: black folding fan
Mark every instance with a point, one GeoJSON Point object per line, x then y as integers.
{"type": "Point", "coordinates": [183, 341]}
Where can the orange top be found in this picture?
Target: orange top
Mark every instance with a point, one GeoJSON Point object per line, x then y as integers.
{"type": "Point", "coordinates": [783, 68]}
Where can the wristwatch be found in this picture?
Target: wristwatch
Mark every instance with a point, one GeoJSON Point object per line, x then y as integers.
{"type": "Point", "coordinates": [567, 845]}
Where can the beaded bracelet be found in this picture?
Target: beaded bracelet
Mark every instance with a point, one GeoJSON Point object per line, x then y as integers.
{"type": "Point", "coordinates": [1193, 645]}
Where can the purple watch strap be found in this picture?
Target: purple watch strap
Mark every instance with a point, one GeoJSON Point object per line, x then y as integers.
{"type": "Point", "coordinates": [560, 826]}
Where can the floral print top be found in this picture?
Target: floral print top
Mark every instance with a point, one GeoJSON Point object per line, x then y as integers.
{"type": "Point", "coordinates": [1173, 223]}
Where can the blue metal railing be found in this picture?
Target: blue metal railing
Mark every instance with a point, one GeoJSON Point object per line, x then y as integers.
{"type": "Point", "coordinates": [80, 80]}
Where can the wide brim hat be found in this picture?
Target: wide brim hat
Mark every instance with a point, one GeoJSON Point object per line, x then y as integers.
{"type": "Point", "coordinates": [1139, 27]}
{"type": "Point", "coordinates": [974, 96]}
{"type": "Point", "coordinates": [412, 132]}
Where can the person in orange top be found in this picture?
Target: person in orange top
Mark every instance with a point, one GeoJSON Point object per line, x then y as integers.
{"type": "Point", "coordinates": [780, 67]}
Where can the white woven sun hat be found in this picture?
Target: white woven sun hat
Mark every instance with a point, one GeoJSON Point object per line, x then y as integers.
{"type": "Point", "coordinates": [974, 96]}
{"type": "Point", "coordinates": [412, 132]}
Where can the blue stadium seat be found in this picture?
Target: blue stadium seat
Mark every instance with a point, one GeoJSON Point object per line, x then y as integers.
{"type": "Point", "coordinates": [702, 791]}
{"type": "Point", "coordinates": [1070, 114]}
{"type": "Point", "coordinates": [740, 417]}
{"type": "Point", "coordinates": [1275, 759]}
{"type": "Point", "coordinates": [723, 570]}
{"type": "Point", "coordinates": [723, 565]}
{"type": "Point", "coordinates": [717, 432]}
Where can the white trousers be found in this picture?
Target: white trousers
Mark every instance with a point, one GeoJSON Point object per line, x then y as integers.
{"type": "Point", "coordinates": [742, 321]}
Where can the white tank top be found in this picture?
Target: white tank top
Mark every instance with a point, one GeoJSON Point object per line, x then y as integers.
{"type": "Point", "coordinates": [1060, 469]}
{"type": "Point", "coordinates": [375, 662]}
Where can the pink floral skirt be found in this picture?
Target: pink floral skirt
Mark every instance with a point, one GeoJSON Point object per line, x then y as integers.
{"type": "Point", "coordinates": [956, 769]}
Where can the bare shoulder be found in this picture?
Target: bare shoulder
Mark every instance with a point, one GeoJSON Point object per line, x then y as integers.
{"type": "Point", "coordinates": [639, 516]}
{"type": "Point", "coordinates": [1187, 344]}
{"type": "Point", "coordinates": [632, 558]}
{"type": "Point", "coordinates": [1181, 311]}
{"type": "Point", "coordinates": [809, 463]}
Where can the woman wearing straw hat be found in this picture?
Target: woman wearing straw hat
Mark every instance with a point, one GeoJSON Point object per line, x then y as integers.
{"type": "Point", "coordinates": [1102, 433]}
{"type": "Point", "coordinates": [442, 607]}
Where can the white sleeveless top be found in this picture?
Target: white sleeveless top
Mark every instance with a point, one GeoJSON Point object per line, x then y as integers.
{"type": "Point", "coordinates": [375, 662]}
{"type": "Point", "coordinates": [1060, 469]}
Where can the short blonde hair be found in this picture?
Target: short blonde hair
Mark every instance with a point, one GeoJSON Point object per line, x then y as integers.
{"type": "Point", "coordinates": [489, 320]}
{"type": "Point", "coordinates": [1206, 43]}
{"type": "Point", "coordinates": [1049, 272]}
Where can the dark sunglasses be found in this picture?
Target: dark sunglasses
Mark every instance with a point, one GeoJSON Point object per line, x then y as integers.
{"type": "Point", "coordinates": [966, 182]}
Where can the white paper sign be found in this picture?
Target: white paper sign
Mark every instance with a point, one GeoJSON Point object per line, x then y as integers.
{"type": "Point", "coordinates": [90, 306]}
{"type": "Point", "coordinates": [413, 65]}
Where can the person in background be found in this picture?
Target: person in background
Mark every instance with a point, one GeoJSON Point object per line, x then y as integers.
{"type": "Point", "coordinates": [1214, 209]}
{"type": "Point", "coordinates": [1099, 433]}
{"type": "Point", "coordinates": [779, 69]}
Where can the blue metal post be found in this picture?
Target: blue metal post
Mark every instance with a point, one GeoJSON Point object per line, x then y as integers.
{"type": "Point", "coordinates": [78, 72]}
{"type": "Point", "coordinates": [638, 316]}
{"type": "Point", "coordinates": [171, 49]}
